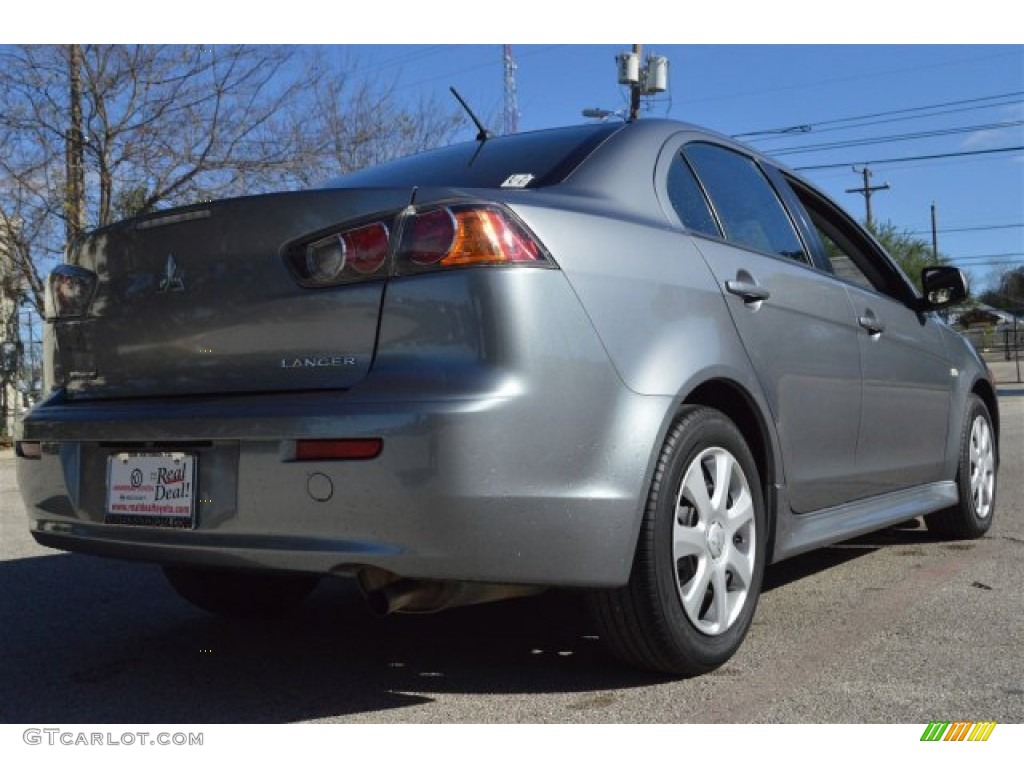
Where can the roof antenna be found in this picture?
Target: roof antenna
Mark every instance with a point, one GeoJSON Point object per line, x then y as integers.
{"type": "Point", "coordinates": [483, 134]}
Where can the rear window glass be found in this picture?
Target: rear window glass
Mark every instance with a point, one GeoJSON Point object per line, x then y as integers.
{"type": "Point", "coordinates": [535, 159]}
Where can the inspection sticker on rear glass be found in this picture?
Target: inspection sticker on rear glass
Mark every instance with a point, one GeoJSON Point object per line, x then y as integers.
{"type": "Point", "coordinates": [151, 488]}
{"type": "Point", "coordinates": [518, 180]}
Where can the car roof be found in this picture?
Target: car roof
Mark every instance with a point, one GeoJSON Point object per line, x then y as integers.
{"type": "Point", "coordinates": [606, 160]}
{"type": "Point", "coordinates": [646, 133]}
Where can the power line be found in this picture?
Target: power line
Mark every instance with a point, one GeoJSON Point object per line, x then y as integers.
{"type": "Point", "coordinates": [848, 78]}
{"type": "Point", "coordinates": [843, 144]}
{"type": "Point", "coordinates": [956, 162]}
{"type": "Point", "coordinates": [886, 160]}
{"type": "Point", "coordinates": [908, 110]}
{"type": "Point", "coordinates": [981, 228]}
{"type": "Point", "coordinates": [409, 56]}
{"type": "Point", "coordinates": [815, 132]}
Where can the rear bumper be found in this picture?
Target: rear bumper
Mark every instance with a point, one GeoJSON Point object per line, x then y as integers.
{"type": "Point", "coordinates": [458, 492]}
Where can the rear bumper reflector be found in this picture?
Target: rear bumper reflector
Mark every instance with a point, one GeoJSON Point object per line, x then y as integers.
{"type": "Point", "coordinates": [338, 450]}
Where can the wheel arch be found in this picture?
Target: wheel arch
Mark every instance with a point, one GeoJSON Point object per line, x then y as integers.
{"type": "Point", "coordinates": [735, 401]}
{"type": "Point", "coordinates": [636, 619]}
{"type": "Point", "coordinates": [983, 389]}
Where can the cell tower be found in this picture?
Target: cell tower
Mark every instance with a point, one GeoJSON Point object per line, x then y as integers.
{"type": "Point", "coordinates": [511, 112]}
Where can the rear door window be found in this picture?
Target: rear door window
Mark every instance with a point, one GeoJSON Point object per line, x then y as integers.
{"type": "Point", "coordinates": [746, 204]}
{"type": "Point", "coordinates": [687, 198]}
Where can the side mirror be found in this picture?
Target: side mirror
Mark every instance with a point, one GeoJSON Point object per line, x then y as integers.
{"type": "Point", "coordinates": [943, 287]}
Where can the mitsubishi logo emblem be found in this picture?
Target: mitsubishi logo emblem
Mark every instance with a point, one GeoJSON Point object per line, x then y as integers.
{"type": "Point", "coordinates": [172, 279]}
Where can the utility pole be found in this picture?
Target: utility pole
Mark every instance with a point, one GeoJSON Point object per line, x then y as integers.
{"type": "Point", "coordinates": [74, 150]}
{"type": "Point", "coordinates": [935, 237]}
{"type": "Point", "coordinates": [635, 88]}
{"type": "Point", "coordinates": [643, 78]}
{"type": "Point", "coordinates": [30, 378]}
{"type": "Point", "coordinates": [867, 190]}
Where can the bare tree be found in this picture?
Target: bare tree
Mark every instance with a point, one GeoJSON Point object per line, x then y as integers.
{"type": "Point", "coordinates": [354, 120]}
{"type": "Point", "coordinates": [18, 274]}
{"type": "Point", "coordinates": [94, 133]}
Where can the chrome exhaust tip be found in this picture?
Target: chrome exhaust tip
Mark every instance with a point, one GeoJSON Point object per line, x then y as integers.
{"type": "Point", "coordinates": [415, 596]}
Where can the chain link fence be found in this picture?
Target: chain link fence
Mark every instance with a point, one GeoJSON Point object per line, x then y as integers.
{"type": "Point", "coordinates": [1001, 344]}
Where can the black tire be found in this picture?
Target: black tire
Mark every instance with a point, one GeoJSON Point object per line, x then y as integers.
{"type": "Point", "coordinates": [647, 623]}
{"type": "Point", "coordinates": [975, 479]}
{"type": "Point", "coordinates": [247, 594]}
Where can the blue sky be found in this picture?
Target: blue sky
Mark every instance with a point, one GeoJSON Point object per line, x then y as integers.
{"type": "Point", "coordinates": [743, 88]}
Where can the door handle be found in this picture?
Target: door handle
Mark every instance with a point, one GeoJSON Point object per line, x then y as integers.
{"type": "Point", "coordinates": [871, 324]}
{"type": "Point", "coordinates": [748, 291]}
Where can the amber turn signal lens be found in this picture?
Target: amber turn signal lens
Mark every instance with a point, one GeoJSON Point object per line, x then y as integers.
{"type": "Point", "coordinates": [464, 236]}
{"type": "Point", "coordinates": [486, 236]}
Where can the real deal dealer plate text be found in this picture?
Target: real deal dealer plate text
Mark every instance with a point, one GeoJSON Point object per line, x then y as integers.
{"type": "Point", "coordinates": [151, 489]}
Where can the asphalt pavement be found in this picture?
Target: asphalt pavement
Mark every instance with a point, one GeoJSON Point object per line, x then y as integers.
{"type": "Point", "coordinates": [892, 627]}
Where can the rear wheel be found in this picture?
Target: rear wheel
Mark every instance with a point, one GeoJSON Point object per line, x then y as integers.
{"type": "Point", "coordinates": [976, 479]}
{"type": "Point", "coordinates": [240, 593]}
{"type": "Point", "coordinates": [699, 562]}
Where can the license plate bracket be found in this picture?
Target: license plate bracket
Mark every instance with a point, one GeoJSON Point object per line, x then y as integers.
{"type": "Point", "coordinates": [154, 488]}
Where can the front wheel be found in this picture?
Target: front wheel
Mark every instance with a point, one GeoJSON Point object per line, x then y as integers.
{"type": "Point", "coordinates": [699, 561]}
{"type": "Point", "coordinates": [976, 479]}
{"type": "Point", "coordinates": [240, 593]}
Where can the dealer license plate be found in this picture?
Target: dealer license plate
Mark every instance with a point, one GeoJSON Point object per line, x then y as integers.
{"type": "Point", "coordinates": [151, 489]}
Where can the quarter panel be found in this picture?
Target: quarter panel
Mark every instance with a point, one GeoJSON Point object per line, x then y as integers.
{"type": "Point", "coordinates": [657, 311]}
{"type": "Point", "coordinates": [648, 293]}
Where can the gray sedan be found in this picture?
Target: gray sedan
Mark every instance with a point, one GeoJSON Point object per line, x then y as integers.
{"type": "Point", "coordinates": [636, 359]}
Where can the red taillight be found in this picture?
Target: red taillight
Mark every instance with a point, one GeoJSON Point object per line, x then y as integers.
{"type": "Point", "coordinates": [465, 235]}
{"type": "Point", "coordinates": [429, 236]}
{"type": "Point", "coordinates": [440, 237]}
{"type": "Point", "coordinates": [342, 257]}
{"type": "Point", "coordinates": [367, 248]}
{"type": "Point", "coordinates": [69, 291]}
{"type": "Point", "coordinates": [338, 450]}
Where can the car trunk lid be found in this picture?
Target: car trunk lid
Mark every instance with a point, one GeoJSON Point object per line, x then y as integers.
{"type": "Point", "coordinates": [200, 300]}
